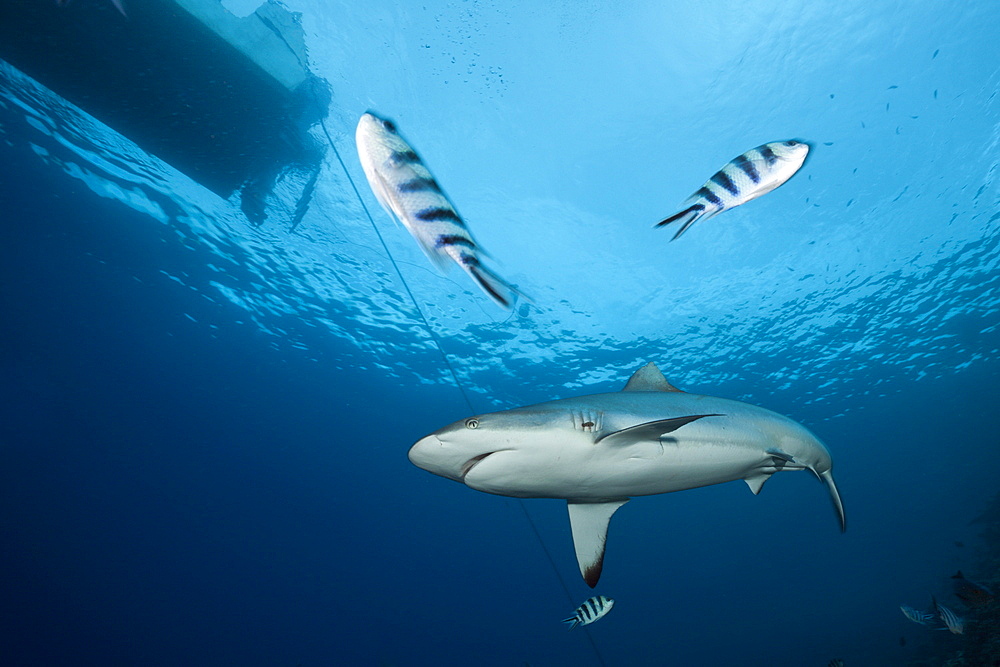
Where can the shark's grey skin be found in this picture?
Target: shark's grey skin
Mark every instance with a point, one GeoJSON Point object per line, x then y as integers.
{"type": "Point", "coordinates": [598, 451]}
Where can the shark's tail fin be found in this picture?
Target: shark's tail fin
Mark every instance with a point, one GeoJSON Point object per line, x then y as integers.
{"type": "Point", "coordinates": [838, 505]}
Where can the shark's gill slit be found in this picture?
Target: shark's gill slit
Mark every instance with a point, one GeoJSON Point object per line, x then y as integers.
{"type": "Point", "coordinates": [451, 371]}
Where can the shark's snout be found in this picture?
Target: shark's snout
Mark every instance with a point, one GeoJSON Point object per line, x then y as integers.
{"type": "Point", "coordinates": [444, 458]}
{"type": "Point", "coordinates": [428, 454]}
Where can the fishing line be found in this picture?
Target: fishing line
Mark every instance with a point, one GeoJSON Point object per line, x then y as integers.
{"type": "Point", "coordinates": [451, 370]}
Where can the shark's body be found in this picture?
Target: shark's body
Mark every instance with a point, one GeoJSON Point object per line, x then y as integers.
{"type": "Point", "coordinates": [598, 451]}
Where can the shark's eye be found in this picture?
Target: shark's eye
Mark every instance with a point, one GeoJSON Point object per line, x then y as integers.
{"type": "Point", "coordinates": [472, 423]}
{"type": "Point", "coordinates": [389, 125]}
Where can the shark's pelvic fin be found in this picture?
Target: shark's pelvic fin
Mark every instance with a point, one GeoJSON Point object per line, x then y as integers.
{"type": "Point", "coordinates": [780, 455]}
{"type": "Point", "coordinates": [756, 481]}
{"type": "Point", "coordinates": [649, 378]}
{"type": "Point", "coordinates": [648, 431]}
{"type": "Point", "coordinates": [589, 523]}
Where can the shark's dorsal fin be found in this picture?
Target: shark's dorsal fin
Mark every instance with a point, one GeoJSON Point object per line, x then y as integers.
{"type": "Point", "coordinates": [589, 523]}
{"type": "Point", "coordinates": [649, 430]}
{"type": "Point", "coordinates": [648, 378]}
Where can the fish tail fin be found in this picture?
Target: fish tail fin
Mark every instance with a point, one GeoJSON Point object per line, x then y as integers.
{"type": "Point", "coordinates": [838, 504]}
{"type": "Point", "coordinates": [496, 287]}
{"type": "Point", "coordinates": [687, 217]}
{"type": "Point", "coordinates": [572, 622]}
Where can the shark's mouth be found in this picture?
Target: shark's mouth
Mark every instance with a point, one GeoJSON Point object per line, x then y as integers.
{"type": "Point", "coordinates": [473, 462]}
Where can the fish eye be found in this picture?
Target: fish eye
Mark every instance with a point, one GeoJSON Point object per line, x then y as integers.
{"type": "Point", "coordinates": [791, 143]}
{"type": "Point", "coordinates": [389, 125]}
{"type": "Point", "coordinates": [472, 423]}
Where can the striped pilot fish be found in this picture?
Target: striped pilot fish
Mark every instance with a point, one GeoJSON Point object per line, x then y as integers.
{"type": "Point", "coordinates": [591, 610]}
{"type": "Point", "coordinates": [406, 190]}
{"type": "Point", "coordinates": [917, 616]}
{"type": "Point", "coordinates": [755, 173]}
{"type": "Point", "coordinates": [951, 620]}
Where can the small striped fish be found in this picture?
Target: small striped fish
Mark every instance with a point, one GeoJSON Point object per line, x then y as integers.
{"type": "Point", "coordinates": [917, 616]}
{"type": "Point", "coordinates": [951, 621]}
{"type": "Point", "coordinates": [755, 173]}
{"type": "Point", "coordinates": [406, 190]}
{"type": "Point", "coordinates": [591, 610]}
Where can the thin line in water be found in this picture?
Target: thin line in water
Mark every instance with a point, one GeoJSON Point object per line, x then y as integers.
{"type": "Point", "coordinates": [451, 370]}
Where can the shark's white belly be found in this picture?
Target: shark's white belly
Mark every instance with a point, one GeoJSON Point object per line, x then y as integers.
{"type": "Point", "coordinates": [643, 470]}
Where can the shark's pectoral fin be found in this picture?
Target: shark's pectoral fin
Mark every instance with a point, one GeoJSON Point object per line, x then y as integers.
{"type": "Point", "coordinates": [589, 523]}
{"type": "Point", "coordinates": [649, 378]}
{"type": "Point", "coordinates": [648, 430]}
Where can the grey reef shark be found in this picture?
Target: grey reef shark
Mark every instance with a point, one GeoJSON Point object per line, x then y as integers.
{"type": "Point", "coordinates": [598, 451]}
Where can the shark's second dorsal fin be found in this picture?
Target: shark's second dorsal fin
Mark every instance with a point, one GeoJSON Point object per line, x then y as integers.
{"type": "Point", "coordinates": [649, 378]}
{"type": "Point", "coordinates": [589, 523]}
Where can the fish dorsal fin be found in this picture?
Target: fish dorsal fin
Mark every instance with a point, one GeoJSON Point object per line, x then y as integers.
{"type": "Point", "coordinates": [589, 523]}
{"type": "Point", "coordinates": [649, 430]}
{"type": "Point", "coordinates": [649, 378]}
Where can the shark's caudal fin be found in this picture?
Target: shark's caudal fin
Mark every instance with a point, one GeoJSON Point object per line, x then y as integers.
{"type": "Point", "coordinates": [838, 505]}
{"type": "Point", "coordinates": [589, 523]}
{"type": "Point", "coordinates": [649, 378]}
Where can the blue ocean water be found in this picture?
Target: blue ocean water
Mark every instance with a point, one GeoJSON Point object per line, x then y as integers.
{"type": "Point", "coordinates": [205, 422]}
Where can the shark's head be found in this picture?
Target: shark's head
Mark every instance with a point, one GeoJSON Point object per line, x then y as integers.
{"type": "Point", "coordinates": [495, 451]}
{"type": "Point", "coordinates": [454, 450]}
